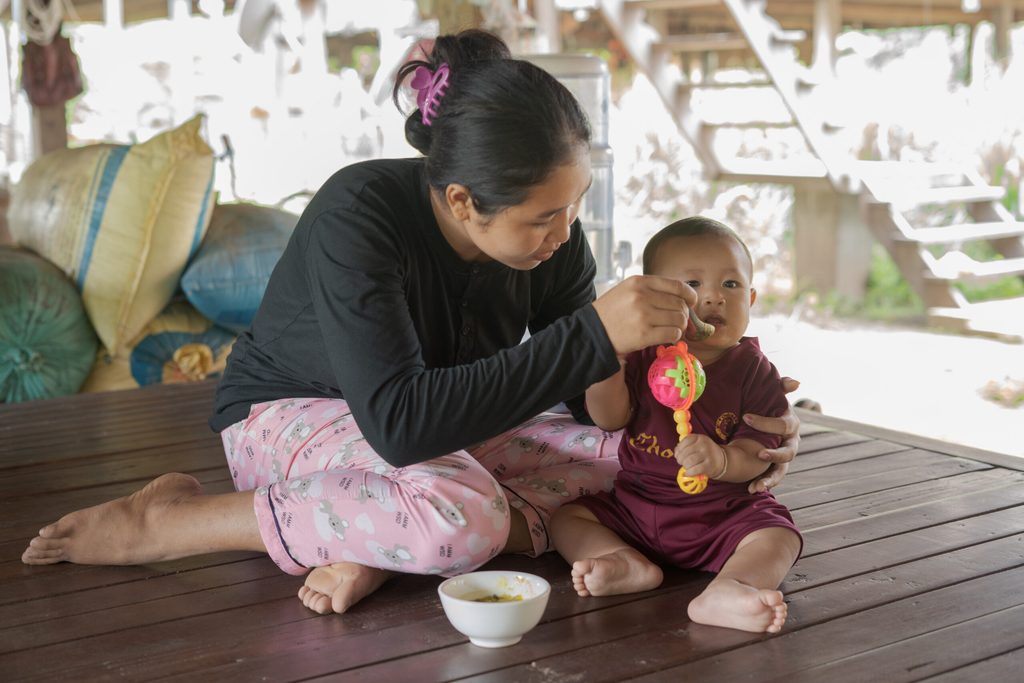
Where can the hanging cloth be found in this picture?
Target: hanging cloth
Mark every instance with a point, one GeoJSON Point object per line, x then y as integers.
{"type": "Point", "coordinates": [50, 73]}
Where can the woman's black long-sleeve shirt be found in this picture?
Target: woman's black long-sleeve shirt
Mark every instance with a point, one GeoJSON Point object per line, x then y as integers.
{"type": "Point", "coordinates": [370, 303]}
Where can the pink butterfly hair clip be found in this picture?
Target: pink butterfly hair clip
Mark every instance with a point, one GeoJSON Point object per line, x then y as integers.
{"type": "Point", "coordinates": [430, 87]}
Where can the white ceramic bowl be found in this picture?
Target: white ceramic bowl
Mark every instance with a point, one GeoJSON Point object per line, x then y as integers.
{"type": "Point", "coordinates": [494, 624]}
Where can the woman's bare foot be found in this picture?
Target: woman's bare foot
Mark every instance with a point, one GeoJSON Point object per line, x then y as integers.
{"type": "Point", "coordinates": [729, 603]}
{"type": "Point", "coordinates": [138, 528]}
{"type": "Point", "coordinates": [621, 571]}
{"type": "Point", "coordinates": [336, 587]}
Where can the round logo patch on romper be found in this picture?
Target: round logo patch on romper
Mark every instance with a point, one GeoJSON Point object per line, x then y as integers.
{"type": "Point", "coordinates": [725, 425]}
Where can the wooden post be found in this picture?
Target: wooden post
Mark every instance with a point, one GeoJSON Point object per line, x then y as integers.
{"type": "Point", "coordinates": [827, 20]}
{"type": "Point", "coordinates": [1002, 22]}
{"type": "Point", "coordinates": [832, 244]}
{"type": "Point", "coordinates": [179, 9]}
{"type": "Point", "coordinates": [49, 129]}
{"type": "Point", "coordinates": [548, 25]}
{"type": "Point", "coordinates": [113, 13]}
{"type": "Point", "coordinates": [455, 15]}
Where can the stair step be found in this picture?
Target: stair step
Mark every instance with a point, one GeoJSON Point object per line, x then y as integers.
{"type": "Point", "coordinates": [894, 194]}
{"type": "Point", "coordinates": [673, 4]}
{"type": "Point", "coordinates": [965, 232]}
{"type": "Point", "coordinates": [704, 42]}
{"type": "Point", "coordinates": [789, 37]}
{"type": "Point", "coordinates": [956, 265]}
{"type": "Point", "coordinates": [894, 170]}
{"type": "Point", "coordinates": [726, 123]}
{"type": "Point", "coordinates": [723, 85]}
{"type": "Point", "coordinates": [1004, 317]}
{"type": "Point", "coordinates": [760, 170]}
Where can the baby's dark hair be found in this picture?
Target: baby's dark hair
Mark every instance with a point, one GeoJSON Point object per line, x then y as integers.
{"type": "Point", "coordinates": [502, 126]}
{"type": "Point", "coordinates": [693, 226]}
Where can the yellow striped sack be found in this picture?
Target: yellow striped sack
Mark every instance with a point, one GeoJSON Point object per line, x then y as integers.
{"type": "Point", "coordinates": [120, 220]}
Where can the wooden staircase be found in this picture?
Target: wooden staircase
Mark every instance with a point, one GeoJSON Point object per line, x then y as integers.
{"type": "Point", "coordinates": [899, 200]}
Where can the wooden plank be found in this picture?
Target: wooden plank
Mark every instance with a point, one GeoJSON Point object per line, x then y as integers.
{"type": "Point", "coordinates": [51, 426]}
{"type": "Point", "coordinates": [785, 655]}
{"type": "Point", "coordinates": [888, 513]}
{"type": "Point", "coordinates": [455, 658]}
{"type": "Point", "coordinates": [949, 490]}
{"type": "Point", "coordinates": [963, 267]}
{"type": "Point", "coordinates": [807, 428]}
{"type": "Point", "coordinates": [54, 428]}
{"type": "Point", "coordinates": [884, 586]}
{"type": "Point", "coordinates": [662, 635]}
{"type": "Point", "coordinates": [80, 613]}
{"type": "Point", "coordinates": [1006, 667]}
{"type": "Point", "coordinates": [43, 581]}
{"type": "Point", "coordinates": [841, 563]}
{"type": "Point", "coordinates": [673, 4]}
{"type": "Point", "coordinates": [914, 440]}
{"type": "Point", "coordinates": [148, 433]}
{"type": "Point", "coordinates": [908, 551]}
{"type": "Point", "coordinates": [144, 463]}
{"type": "Point", "coordinates": [26, 417]}
{"type": "Point", "coordinates": [965, 232]}
{"type": "Point", "coordinates": [849, 480]}
{"type": "Point", "coordinates": [827, 440]}
{"type": "Point", "coordinates": [936, 652]}
{"type": "Point", "coordinates": [818, 459]}
{"type": "Point", "coordinates": [672, 639]}
{"type": "Point", "coordinates": [104, 401]}
{"type": "Point", "coordinates": [706, 42]}
{"type": "Point", "coordinates": [904, 196]}
{"type": "Point", "coordinates": [782, 171]}
{"type": "Point", "coordinates": [405, 616]}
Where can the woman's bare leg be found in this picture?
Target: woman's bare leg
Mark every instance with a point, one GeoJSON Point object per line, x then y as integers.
{"type": "Point", "coordinates": [167, 519]}
{"type": "Point", "coordinates": [519, 540]}
{"type": "Point", "coordinates": [170, 518]}
{"type": "Point", "coordinates": [743, 595]}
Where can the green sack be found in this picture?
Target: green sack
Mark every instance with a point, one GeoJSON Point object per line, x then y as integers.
{"type": "Point", "coordinates": [47, 345]}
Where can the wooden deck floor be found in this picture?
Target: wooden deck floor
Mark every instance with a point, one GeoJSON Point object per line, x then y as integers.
{"type": "Point", "coordinates": [913, 570]}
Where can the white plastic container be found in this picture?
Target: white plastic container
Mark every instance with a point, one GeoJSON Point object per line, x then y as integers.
{"type": "Point", "coordinates": [586, 77]}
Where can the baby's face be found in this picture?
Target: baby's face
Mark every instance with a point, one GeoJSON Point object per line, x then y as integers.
{"type": "Point", "coordinates": [719, 271]}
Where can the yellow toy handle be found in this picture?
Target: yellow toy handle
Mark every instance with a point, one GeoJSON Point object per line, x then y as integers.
{"type": "Point", "coordinates": [689, 485]}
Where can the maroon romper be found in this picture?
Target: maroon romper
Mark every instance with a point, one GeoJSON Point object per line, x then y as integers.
{"type": "Point", "coordinates": [647, 509]}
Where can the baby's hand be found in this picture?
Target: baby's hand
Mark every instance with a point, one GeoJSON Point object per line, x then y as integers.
{"type": "Point", "coordinates": [699, 454]}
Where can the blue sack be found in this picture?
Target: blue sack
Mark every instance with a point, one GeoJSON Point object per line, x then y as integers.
{"type": "Point", "coordinates": [227, 277]}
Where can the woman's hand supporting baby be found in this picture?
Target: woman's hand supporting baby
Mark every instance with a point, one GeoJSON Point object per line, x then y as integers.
{"type": "Point", "coordinates": [787, 426]}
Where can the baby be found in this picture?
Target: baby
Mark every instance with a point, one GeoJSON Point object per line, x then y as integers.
{"type": "Point", "coordinates": [614, 541]}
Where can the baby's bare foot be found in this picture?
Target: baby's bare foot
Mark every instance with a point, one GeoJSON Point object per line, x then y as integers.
{"type": "Point", "coordinates": [623, 571]}
{"type": "Point", "coordinates": [337, 587]}
{"type": "Point", "coordinates": [130, 530]}
{"type": "Point", "coordinates": [729, 603]}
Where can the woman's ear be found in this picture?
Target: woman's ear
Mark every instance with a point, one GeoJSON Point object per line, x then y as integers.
{"type": "Point", "coordinates": [459, 201]}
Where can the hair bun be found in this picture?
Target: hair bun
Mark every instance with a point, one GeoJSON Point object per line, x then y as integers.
{"type": "Point", "coordinates": [468, 47]}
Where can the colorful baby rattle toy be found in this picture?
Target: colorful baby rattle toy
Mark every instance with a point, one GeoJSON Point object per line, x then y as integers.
{"type": "Point", "coordinates": [677, 380]}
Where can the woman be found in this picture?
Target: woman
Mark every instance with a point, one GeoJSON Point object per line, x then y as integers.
{"type": "Point", "coordinates": [381, 413]}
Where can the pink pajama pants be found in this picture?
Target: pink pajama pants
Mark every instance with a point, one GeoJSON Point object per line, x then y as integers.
{"type": "Point", "coordinates": [324, 496]}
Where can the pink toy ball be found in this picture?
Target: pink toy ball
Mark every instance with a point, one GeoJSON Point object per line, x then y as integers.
{"type": "Point", "coordinates": [669, 379]}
